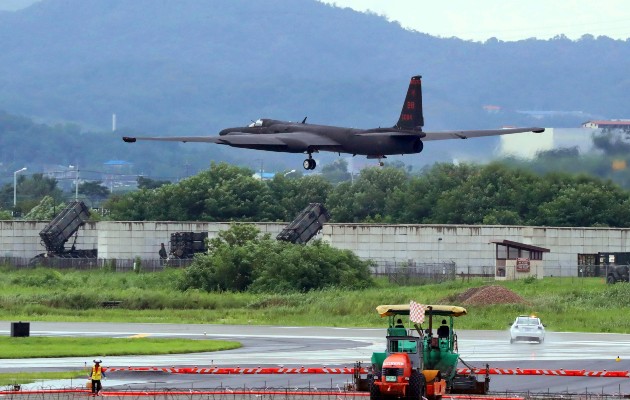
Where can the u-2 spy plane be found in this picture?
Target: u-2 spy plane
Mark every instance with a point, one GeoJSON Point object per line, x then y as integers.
{"type": "Point", "coordinates": [406, 137]}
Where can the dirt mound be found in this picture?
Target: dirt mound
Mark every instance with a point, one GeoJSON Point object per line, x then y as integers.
{"type": "Point", "coordinates": [492, 294]}
{"type": "Point", "coordinates": [462, 297]}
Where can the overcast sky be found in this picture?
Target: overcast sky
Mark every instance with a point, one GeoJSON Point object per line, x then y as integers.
{"type": "Point", "coordinates": [506, 20]}
{"type": "Point", "coordinates": [12, 5]}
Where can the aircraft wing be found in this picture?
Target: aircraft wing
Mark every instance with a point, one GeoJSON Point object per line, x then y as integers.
{"type": "Point", "coordinates": [209, 139]}
{"type": "Point", "coordinates": [305, 139]}
{"type": "Point", "coordinates": [474, 134]}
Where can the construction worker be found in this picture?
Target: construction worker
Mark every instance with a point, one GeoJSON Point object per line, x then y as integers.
{"type": "Point", "coordinates": [95, 376]}
{"type": "Point", "coordinates": [163, 254]}
{"type": "Point", "coordinates": [443, 330]}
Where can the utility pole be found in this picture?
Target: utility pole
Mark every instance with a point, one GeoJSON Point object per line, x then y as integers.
{"type": "Point", "coordinates": [15, 185]}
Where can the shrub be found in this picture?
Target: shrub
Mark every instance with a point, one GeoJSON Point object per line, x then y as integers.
{"type": "Point", "coordinates": [241, 259]}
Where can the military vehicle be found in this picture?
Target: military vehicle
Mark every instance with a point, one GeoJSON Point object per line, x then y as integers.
{"type": "Point", "coordinates": [60, 230]}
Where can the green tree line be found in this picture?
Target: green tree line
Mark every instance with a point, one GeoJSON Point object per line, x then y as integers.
{"type": "Point", "coordinates": [443, 194]}
{"type": "Point", "coordinates": [497, 193]}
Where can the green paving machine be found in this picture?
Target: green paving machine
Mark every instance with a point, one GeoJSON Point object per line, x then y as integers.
{"type": "Point", "coordinates": [437, 348]}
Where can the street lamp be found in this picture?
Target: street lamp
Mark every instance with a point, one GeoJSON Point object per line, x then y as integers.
{"type": "Point", "coordinates": [290, 172]}
{"type": "Point", "coordinates": [76, 181]}
{"type": "Point", "coordinates": [15, 185]}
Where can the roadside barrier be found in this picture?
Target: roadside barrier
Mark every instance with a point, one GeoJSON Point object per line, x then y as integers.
{"type": "Point", "coordinates": [551, 372]}
{"type": "Point", "coordinates": [238, 370]}
{"type": "Point", "coordinates": [350, 371]}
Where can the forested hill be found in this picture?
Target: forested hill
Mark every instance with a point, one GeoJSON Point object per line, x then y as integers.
{"type": "Point", "coordinates": [193, 67]}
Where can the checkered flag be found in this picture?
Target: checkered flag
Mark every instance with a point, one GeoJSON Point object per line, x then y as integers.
{"type": "Point", "coordinates": [416, 312]}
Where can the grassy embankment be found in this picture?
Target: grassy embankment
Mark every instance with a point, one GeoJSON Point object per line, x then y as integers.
{"type": "Point", "coordinates": [564, 304]}
{"type": "Point", "coordinates": [30, 347]}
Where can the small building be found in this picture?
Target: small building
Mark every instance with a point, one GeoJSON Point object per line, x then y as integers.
{"type": "Point", "coordinates": [515, 260]}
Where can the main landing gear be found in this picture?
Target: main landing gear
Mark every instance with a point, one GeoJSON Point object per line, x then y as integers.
{"type": "Point", "coordinates": [309, 163]}
{"type": "Point", "coordinates": [380, 160]}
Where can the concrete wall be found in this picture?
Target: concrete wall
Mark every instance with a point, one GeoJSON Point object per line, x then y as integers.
{"type": "Point", "coordinates": [468, 246]}
{"type": "Point", "coordinates": [142, 239]}
{"type": "Point", "coordinates": [21, 238]}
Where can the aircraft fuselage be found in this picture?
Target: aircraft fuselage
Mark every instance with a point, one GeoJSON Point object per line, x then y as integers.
{"type": "Point", "coordinates": [371, 142]}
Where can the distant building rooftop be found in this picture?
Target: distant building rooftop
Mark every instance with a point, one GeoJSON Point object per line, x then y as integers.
{"type": "Point", "coordinates": [266, 176]}
{"type": "Point", "coordinates": [521, 245]}
{"type": "Point", "coordinates": [117, 162]}
{"type": "Point", "coordinates": [491, 108]}
{"type": "Point", "coordinates": [552, 113]}
{"type": "Point", "coordinates": [613, 123]}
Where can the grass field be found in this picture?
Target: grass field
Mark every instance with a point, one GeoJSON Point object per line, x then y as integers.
{"type": "Point", "coordinates": [564, 304]}
{"type": "Point", "coordinates": [30, 347]}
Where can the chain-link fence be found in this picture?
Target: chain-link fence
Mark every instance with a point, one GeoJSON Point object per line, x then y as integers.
{"type": "Point", "coordinates": [414, 273]}
{"type": "Point", "coordinates": [408, 272]}
{"type": "Point", "coordinates": [117, 265]}
{"type": "Point", "coordinates": [577, 271]}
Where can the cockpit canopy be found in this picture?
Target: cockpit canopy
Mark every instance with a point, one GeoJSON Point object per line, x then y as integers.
{"type": "Point", "coordinates": [256, 124]}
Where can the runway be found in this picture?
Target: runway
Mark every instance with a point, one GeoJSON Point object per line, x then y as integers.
{"type": "Point", "coordinates": [325, 346]}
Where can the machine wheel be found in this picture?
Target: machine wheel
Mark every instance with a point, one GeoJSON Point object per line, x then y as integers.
{"type": "Point", "coordinates": [375, 393]}
{"type": "Point", "coordinates": [511, 340]}
{"type": "Point", "coordinates": [415, 390]}
{"type": "Point", "coordinates": [309, 163]}
{"type": "Point", "coordinates": [610, 279]}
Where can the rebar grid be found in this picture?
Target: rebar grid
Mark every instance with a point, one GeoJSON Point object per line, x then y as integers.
{"type": "Point", "coordinates": [244, 393]}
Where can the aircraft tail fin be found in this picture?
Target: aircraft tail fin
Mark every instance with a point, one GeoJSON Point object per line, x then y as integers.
{"type": "Point", "coordinates": [411, 116]}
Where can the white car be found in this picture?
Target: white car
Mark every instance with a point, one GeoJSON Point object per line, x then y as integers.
{"type": "Point", "coordinates": [527, 327]}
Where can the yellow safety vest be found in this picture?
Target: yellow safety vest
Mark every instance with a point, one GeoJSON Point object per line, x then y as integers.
{"type": "Point", "coordinates": [96, 373]}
